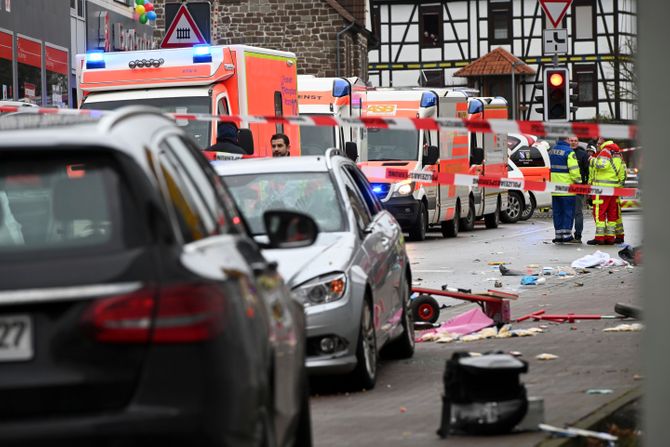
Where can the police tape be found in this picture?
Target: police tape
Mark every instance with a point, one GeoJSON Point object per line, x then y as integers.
{"type": "Point", "coordinates": [539, 128]}
{"type": "Point", "coordinates": [429, 178]}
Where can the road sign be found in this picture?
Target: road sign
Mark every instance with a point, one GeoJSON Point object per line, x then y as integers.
{"type": "Point", "coordinates": [555, 41]}
{"type": "Point", "coordinates": [200, 11]}
{"type": "Point", "coordinates": [555, 10]}
{"type": "Point", "coordinates": [183, 31]}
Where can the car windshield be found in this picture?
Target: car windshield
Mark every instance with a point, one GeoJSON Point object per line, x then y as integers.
{"type": "Point", "coordinates": [199, 130]}
{"type": "Point", "coordinates": [314, 140]}
{"type": "Point", "coordinates": [63, 203]}
{"type": "Point", "coordinates": [392, 144]}
{"type": "Point", "coordinates": [312, 193]}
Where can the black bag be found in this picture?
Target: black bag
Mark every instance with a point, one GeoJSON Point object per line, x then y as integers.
{"type": "Point", "coordinates": [483, 395]}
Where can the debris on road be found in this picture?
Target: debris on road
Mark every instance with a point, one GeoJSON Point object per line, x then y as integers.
{"type": "Point", "coordinates": [530, 280]}
{"type": "Point", "coordinates": [498, 284]}
{"type": "Point", "coordinates": [599, 391]}
{"type": "Point", "coordinates": [597, 259]}
{"type": "Point", "coordinates": [635, 327]}
{"type": "Point", "coordinates": [546, 356]}
{"type": "Point", "coordinates": [632, 255]}
{"type": "Point", "coordinates": [505, 271]}
{"type": "Point", "coordinates": [573, 432]}
{"type": "Point", "coordinates": [497, 263]}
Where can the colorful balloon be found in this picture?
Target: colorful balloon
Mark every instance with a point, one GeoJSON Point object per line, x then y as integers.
{"type": "Point", "coordinates": [139, 9]}
{"type": "Point", "coordinates": [151, 15]}
{"type": "Point", "coordinates": [139, 2]}
{"type": "Point", "coordinates": [143, 19]}
{"type": "Point", "coordinates": [148, 7]}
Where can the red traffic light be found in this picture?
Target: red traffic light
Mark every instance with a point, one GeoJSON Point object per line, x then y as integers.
{"type": "Point", "coordinates": [556, 79]}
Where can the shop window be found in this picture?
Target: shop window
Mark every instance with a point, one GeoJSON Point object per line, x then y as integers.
{"type": "Point", "coordinates": [500, 22]}
{"type": "Point", "coordinates": [430, 26]}
{"type": "Point", "coordinates": [583, 19]}
{"type": "Point", "coordinates": [586, 77]}
{"type": "Point", "coordinates": [6, 75]}
{"type": "Point", "coordinates": [29, 56]}
{"type": "Point", "coordinates": [57, 77]}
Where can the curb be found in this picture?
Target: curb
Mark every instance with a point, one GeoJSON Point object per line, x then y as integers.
{"type": "Point", "coordinates": [594, 418]}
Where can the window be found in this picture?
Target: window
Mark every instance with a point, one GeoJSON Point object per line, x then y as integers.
{"type": "Point", "coordinates": [57, 70]}
{"type": "Point", "coordinates": [392, 144]}
{"type": "Point", "coordinates": [222, 107]}
{"type": "Point", "coordinates": [586, 77]}
{"type": "Point", "coordinates": [434, 78]}
{"type": "Point", "coordinates": [314, 140]}
{"type": "Point", "coordinates": [279, 111]}
{"type": "Point", "coordinates": [6, 75]}
{"type": "Point", "coordinates": [361, 212]}
{"type": "Point", "coordinates": [365, 190]}
{"type": "Point", "coordinates": [29, 54]}
{"type": "Point", "coordinates": [376, 22]}
{"type": "Point", "coordinates": [430, 26]}
{"type": "Point", "coordinates": [528, 157]}
{"type": "Point", "coordinates": [583, 19]}
{"type": "Point", "coordinates": [500, 21]}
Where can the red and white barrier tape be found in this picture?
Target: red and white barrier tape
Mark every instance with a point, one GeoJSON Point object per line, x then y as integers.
{"type": "Point", "coordinates": [547, 129]}
{"type": "Point", "coordinates": [433, 178]}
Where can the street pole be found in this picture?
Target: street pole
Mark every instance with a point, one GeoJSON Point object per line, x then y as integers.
{"type": "Point", "coordinates": [514, 64]}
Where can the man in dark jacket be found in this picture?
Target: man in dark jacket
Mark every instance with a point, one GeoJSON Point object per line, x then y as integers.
{"type": "Point", "coordinates": [226, 139]}
{"type": "Point", "coordinates": [583, 161]}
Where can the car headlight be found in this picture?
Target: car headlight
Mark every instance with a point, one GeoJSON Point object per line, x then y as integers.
{"type": "Point", "coordinates": [321, 290]}
{"type": "Point", "coordinates": [403, 188]}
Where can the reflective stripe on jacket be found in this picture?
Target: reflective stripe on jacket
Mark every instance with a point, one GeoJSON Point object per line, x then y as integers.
{"type": "Point", "coordinates": [603, 170]}
{"type": "Point", "coordinates": [564, 166]}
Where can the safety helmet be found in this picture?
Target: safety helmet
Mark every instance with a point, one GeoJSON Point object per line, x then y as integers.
{"type": "Point", "coordinates": [611, 146]}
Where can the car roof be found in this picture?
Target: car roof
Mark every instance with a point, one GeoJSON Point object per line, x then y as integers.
{"type": "Point", "coordinates": [307, 163]}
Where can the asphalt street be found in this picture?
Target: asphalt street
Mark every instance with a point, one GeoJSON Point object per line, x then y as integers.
{"type": "Point", "coordinates": [404, 408]}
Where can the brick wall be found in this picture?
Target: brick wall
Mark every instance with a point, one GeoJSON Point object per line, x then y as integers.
{"type": "Point", "coordinates": [305, 27]}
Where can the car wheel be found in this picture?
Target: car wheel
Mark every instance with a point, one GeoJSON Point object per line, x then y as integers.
{"type": "Point", "coordinates": [529, 210]}
{"type": "Point", "coordinates": [418, 231]}
{"type": "Point", "coordinates": [514, 208]}
{"type": "Point", "coordinates": [403, 346]}
{"type": "Point", "coordinates": [365, 373]}
{"type": "Point", "coordinates": [425, 309]}
{"type": "Point", "coordinates": [493, 220]}
{"type": "Point", "coordinates": [450, 227]}
{"type": "Point", "coordinates": [467, 223]}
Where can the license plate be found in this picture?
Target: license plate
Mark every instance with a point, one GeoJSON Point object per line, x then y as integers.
{"type": "Point", "coordinates": [16, 338]}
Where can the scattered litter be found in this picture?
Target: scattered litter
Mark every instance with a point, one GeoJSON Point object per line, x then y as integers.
{"type": "Point", "coordinates": [505, 271]}
{"type": "Point", "coordinates": [477, 260]}
{"type": "Point", "coordinates": [504, 332]}
{"type": "Point", "coordinates": [498, 284]}
{"type": "Point", "coordinates": [403, 410]}
{"type": "Point", "coordinates": [637, 377]}
{"type": "Point", "coordinates": [579, 284]}
{"type": "Point", "coordinates": [545, 356]}
{"type": "Point", "coordinates": [547, 270]}
{"type": "Point", "coordinates": [475, 354]}
{"type": "Point", "coordinates": [597, 259]}
{"type": "Point", "coordinates": [562, 274]}
{"type": "Point", "coordinates": [388, 386]}
{"type": "Point", "coordinates": [533, 266]}
{"type": "Point", "coordinates": [497, 263]}
{"type": "Point", "coordinates": [632, 255]}
{"type": "Point", "coordinates": [419, 279]}
{"type": "Point", "coordinates": [573, 432]}
{"type": "Point", "coordinates": [492, 279]}
{"type": "Point", "coordinates": [599, 391]}
{"type": "Point", "coordinates": [530, 280]}
{"type": "Point", "coordinates": [634, 327]}
{"type": "Point", "coordinates": [526, 332]}
{"type": "Point", "coordinates": [516, 353]}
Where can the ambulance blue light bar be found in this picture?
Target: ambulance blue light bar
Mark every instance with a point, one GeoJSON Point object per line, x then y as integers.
{"type": "Point", "coordinates": [202, 54]}
{"type": "Point", "coordinates": [95, 59]}
{"type": "Point", "coordinates": [428, 99]}
{"type": "Point", "coordinates": [341, 88]}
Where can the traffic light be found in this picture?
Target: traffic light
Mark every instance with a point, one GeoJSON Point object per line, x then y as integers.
{"type": "Point", "coordinates": [556, 94]}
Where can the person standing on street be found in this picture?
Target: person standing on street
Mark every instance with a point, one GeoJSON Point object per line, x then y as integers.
{"type": "Point", "coordinates": [620, 169]}
{"type": "Point", "coordinates": [564, 169]}
{"type": "Point", "coordinates": [281, 146]}
{"type": "Point", "coordinates": [603, 172]}
{"type": "Point", "coordinates": [583, 162]}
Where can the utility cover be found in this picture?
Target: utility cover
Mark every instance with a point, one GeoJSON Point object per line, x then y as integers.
{"type": "Point", "coordinates": [183, 31]}
{"type": "Point", "coordinates": [555, 10]}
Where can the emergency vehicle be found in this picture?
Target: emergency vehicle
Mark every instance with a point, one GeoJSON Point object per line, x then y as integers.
{"type": "Point", "coordinates": [417, 206]}
{"type": "Point", "coordinates": [222, 80]}
{"type": "Point", "coordinates": [531, 155]}
{"type": "Point", "coordinates": [337, 97]}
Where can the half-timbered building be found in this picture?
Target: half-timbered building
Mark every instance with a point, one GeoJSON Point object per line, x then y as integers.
{"type": "Point", "coordinates": [434, 43]}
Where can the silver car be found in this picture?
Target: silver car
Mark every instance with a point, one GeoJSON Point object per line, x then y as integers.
{"type": "Point", "coordinates": [355, 280]}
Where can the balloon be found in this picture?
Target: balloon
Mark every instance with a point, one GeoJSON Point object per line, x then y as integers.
{"type": "Point", "coordinates": [139, 9]}
{"type": "Point", "coordinates": [147, 1]}
{"type": "Point", "coordinates": [151, 15]}
{"type": "Point", "coordinates": [139, 2]}
{"type": "Point", "coordinates": [148, 7]}
{"type": "Point", "coordinates": [143, 19]}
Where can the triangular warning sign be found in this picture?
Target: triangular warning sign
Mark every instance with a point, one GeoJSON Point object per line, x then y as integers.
{"type": "Point", "coordinates": [183, 31]}
{"type": "Point", "coordinates": [555, 10]}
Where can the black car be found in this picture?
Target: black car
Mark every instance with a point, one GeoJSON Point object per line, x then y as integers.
{"type": "Point", "coordinates": [134, 306]}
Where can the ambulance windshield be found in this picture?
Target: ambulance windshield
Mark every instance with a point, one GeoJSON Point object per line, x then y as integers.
{"type": "Point", "coordinates": [392, 144]}
{"type": "Point", "coordinates": [199, 130]}
{"type": "Point", "coordinates": [314, 140]}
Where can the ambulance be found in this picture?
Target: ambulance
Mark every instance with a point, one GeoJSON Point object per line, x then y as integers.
{"type": "Point", "coordinates": [222, 80]}
{"type": "Point", "coordinates": [417, 206]}
{"type": "Point", "coordinates": [337, 97]}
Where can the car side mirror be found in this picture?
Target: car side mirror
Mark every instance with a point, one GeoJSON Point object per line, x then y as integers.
{"type": "Point", "coordinates": [351, 150]}
{"type": "Point", "coordinates": [477, 156]}
{"type": "Point", "coordinates": [289, 229]}
{"type": "Point", "coordinates": [431, 155]}
{"type": "Point", "coordinates": [246, 140]}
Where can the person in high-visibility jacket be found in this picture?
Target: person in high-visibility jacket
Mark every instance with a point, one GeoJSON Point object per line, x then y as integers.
{"type": "Point", "coordinates": [564, 169]}
{"type": "Point", "coordinates": [603, 172]}
{"type": "Point", "coordinates": [621, 169]}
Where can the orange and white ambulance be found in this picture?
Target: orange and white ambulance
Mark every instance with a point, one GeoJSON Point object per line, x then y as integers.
{"type": "Point", "coordinates": [417, 206]}
{"type": "Point", "coordinates": [222, 80]}
{"type": "Point", "coordinates": [337, 97]}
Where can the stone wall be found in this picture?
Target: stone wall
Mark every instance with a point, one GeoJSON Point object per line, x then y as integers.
{"type": "Point", "coordinates": [306, 27]}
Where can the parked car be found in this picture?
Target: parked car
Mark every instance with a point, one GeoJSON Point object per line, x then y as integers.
{"type": "Point", "coordinates": [134, 305]}
{"type": "Point", "coordinates": [355, 280]}
{"type": "Point", "coordinates": [519, 204]}
{"type": "Point", "coordinates": [531, 156]}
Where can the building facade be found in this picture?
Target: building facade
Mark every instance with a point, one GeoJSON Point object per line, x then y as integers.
{"type": "Point", "coordinates": [39, 40]}
{"type": "Point", "coordinates": [428, 42]}
{"type": "Point", "coordinates": [328, 36]}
